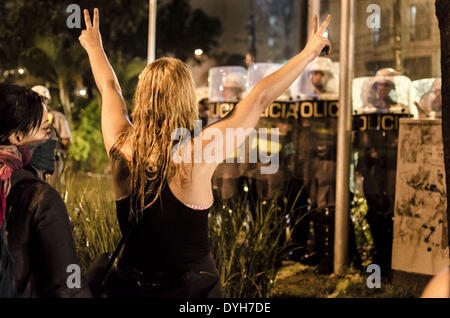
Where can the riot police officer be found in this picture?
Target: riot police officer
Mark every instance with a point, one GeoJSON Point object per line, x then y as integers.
{"type": "Point", "coordinates": [379, 99]}
{"type": "Point", "coordinates": [320, 72]}
{"type": "Point", "coordinates": [322, 180]}
{"type": "Point", "coordinates": [377, 158]}
{"type": "Point", "coordinates": [322, 192]}
{"type": "Point", "coordinates": [316, 167]}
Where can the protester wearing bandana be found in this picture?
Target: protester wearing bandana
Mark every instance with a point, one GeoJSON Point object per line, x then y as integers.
{"type": "Point", "coordinates": [36, 244]}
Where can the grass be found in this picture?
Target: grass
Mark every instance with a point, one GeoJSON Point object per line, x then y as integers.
{"type": "Point", "coordinates": [295, 280]}
{"type": "Point", "coordinates": [89, 200]}
{"type": "Point", "coordinates": [247, 241]}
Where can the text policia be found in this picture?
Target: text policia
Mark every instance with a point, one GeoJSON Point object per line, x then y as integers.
{"type": "Point", "coordinates": [286, 110]}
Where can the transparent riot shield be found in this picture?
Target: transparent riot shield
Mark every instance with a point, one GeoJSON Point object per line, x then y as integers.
{"type": "Point", "coordinates": [226, 87]}
{"type": "Point", "coordinates": [379, 104]}
{"type": "Point", "coordinates": [273, 145]}
{"type": "Point", "coordinates": [320, 80]}
{"type": "Point", "coordinates": [257, 71]}
{"type": "Point", "coordinates": [316, 162]}
{"type": "Point", "coordinates": [316, 91]}
{"type": "Point", "coordinates": [381, 94]}
{"type": "Point", "coordinates": [426, 98]}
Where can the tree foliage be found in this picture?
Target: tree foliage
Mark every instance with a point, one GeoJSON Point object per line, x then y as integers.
{"type": "Point", "coordinates": [181, 30]}
{"type": "Point", "coordinates": [124, 27]}
{"type": "Point", "coordinates": [87, 151]}
{"type": "Point", "coordinates": [35, 36]}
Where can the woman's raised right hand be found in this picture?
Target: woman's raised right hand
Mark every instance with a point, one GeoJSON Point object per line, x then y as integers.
{"type": "Point", "coordinates": [317, 41]}
{"type": "Point", "coordinates": [90, 38]}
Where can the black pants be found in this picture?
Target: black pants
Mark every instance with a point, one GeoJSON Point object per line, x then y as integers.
{"type": "Point", "coordinates": [301, 218]}
{"type": "Point", "coordinates": [381, 227]}
{"type": "Point", "coordinates": [324, 236]}
{"type": "Point", "coordinates": [324, 230]}
{"type": "Point", "coordinates": [199, 280]}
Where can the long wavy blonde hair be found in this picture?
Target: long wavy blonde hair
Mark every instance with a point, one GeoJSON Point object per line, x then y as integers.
{"type": "Point", "coordinates": [164, 101]}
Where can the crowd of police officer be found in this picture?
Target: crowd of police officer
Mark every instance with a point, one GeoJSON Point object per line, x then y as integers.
{"type": "Point", "coordinates": [306, 146]}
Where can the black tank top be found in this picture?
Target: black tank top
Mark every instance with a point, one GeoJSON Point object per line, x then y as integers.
{"type": "Point", "coordinates": [168, 237]}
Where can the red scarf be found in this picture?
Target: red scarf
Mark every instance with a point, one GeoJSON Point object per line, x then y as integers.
{"type": "Point", "coordinates": [12, 158]}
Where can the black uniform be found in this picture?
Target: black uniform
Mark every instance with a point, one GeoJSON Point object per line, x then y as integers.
{"type": "Point", "coordinates": [377, 164]}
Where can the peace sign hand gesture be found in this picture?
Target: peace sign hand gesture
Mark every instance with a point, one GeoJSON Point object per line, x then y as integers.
{"type": "Point", "coordinates": [90, 38]}
{"type": "Point", "coordinates": [318, 42]}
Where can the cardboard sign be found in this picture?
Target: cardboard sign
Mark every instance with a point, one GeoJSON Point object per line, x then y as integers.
{"type": "Point", "coordinates": [420, 222]}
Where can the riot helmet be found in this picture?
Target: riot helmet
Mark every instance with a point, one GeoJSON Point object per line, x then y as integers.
{"type": "Point", "coordinates": [319, 72]}
{"type": "Point", "coordinates": [43, 92]}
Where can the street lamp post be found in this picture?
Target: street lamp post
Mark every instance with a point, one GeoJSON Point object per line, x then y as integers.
{"type": "Point", "coordinates": [151, 31]}
{"type": "Point", "coordinates": [313, 9]}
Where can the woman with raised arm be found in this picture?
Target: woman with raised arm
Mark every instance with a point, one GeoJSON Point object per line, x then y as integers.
{"type": "Point", "coordinates": [167, 253]}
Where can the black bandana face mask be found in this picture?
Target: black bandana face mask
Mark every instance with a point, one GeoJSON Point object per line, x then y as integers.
{"type": "Point", "coordinates": [43, 157]}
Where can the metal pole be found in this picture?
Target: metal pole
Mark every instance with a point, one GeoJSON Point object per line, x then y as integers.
{"type": "Point", "coordinates": [313, 8]}
{"type": "Point", "coordinates": [151, 31]}
{"type": "Point", "coordinates": [304, 24]}
{"type": "Point", "coordinates": [344, 136]}
{"type": "Point", "coordinates": [398, 36]}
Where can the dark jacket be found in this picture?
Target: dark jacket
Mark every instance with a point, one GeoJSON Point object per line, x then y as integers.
{"type": "Point", "coordinates": [40, 239]}
{"type": "Point", "coordinates": [6, 273]}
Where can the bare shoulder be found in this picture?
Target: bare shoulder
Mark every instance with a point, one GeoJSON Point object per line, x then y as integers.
{"type": "Point", "coordinates": [195, 191]}
{"type": "Point", "coordinates": [187, 152]}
